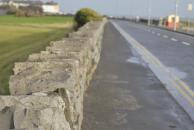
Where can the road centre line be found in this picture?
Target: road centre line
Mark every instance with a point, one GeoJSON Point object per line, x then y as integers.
{"type": "Point", "coordinates": [165, 36]}
{"type": "Point", "coordinates": [173, 39]}
{"type": "Point", "coordinates": [186, 43]}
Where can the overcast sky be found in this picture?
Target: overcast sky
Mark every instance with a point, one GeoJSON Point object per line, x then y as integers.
{"type": "Point", "coordinates": [129, 7]}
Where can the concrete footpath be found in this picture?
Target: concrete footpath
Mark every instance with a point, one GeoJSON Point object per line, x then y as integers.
{"type": "Point", "coordinates": [125, 94]}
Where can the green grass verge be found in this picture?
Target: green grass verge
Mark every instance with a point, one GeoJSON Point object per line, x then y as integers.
{"type": "Point", "coordinates": [20, 38]}
{"type": "Point", "coordinates": [12, 19]}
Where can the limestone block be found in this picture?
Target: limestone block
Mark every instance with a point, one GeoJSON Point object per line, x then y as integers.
{"type": "Point", "coordinates": [41, 77]}
{"type": "Point", "coordinates": [33, 112]}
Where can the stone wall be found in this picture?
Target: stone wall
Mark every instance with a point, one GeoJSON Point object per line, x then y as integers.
{"type": "Point", "coordinates": [47, 90]}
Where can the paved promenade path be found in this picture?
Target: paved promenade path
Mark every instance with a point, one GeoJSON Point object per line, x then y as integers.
{"type": "Point", "coordinates": [125, 94]}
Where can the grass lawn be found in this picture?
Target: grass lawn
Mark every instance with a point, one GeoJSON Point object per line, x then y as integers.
{"type": "Point", "coordinates": [21, 36]}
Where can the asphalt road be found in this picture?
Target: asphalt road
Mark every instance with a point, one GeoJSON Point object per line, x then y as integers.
{"type": "Point", "coordinates": [170, 55]}
{"type": "Point", "coordinates": [126, 95]}
{"type": "Point", "coordinates": [175, 50]}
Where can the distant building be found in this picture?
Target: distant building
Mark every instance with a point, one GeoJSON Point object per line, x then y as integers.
{"type": "Point", "coordinates": [49, 7]}
{"type": "Point", "coordinates": [18, 3]}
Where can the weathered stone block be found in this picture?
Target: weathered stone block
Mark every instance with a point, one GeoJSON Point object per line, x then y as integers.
{"type": "Point", "coordinates": [33, 77]}
{"type": "Point", "coordinates": [33, 112]}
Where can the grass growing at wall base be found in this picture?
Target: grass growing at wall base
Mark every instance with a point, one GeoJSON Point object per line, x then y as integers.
{"type": "Point", "coordinates": [20, 37]}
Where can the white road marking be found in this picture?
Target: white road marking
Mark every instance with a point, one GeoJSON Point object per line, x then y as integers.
{"type": "Point", "coordinates": [158, 34]}
{"type": "Point", "coordinates": [186, 43]}
{"type": "Point", "coordinates": [173, 39]}
{"type": "Point", "coordinates": [165, 36]}
{"type": "Point", "coordinates": [153, 32]}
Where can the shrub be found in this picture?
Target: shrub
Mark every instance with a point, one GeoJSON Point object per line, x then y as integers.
{"type": "Point", "coordinates": [86, 15]}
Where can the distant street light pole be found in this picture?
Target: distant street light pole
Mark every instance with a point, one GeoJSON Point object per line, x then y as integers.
{"type": "Point", "coordinates": [176, 14]}
{"type": "Point", "coordinates": [149, 12]}
{"type": "Point", "coordinates": [189, 9]}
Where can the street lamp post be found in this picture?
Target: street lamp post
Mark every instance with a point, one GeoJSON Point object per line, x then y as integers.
{"type": "Point", "coordinates": [189, 8]}
{"type": "Point", "coordinates": [176, 14]}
